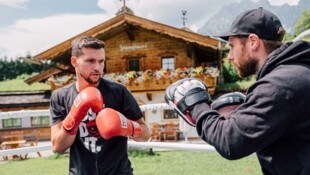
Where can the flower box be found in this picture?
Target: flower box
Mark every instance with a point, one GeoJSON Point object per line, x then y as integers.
{"type": "Point", "coordinates": [162, 84]}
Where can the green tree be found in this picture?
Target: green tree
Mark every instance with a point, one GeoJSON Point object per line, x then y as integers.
{"type": "Point", "coordinates": [10, 69]}
{"type": "Point", "coordinates": [303, 23]}
{"type": "Point", "coordinates": [288, 37]}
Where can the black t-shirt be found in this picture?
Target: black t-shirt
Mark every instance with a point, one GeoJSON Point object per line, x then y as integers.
{"type": "Point", "coordinates": [90, 154]}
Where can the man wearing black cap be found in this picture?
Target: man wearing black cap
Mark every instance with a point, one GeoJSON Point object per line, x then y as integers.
{"type": "Point", "coordinates": [274, 120]}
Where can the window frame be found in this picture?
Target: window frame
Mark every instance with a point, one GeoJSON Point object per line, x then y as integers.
{"type": "Point", "coordinates": [170, 114]}
{"type": "Point", "coordinates": [11, 120]}
{"type": "Point", "coordinates": [137, 60]}
{"type": "Point", "coordinates": [41, 119]}
{"type": "Point", "coordinates": [168, 58]}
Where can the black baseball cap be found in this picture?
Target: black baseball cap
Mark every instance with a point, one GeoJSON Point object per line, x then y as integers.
{"type": "Point", "coordinates": [261, 22]}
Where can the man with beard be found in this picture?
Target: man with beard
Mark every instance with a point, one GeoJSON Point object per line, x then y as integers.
{"type": "Point", "coordinates": [94, 117]}
{"type": "Point", "coordinates": [274, 120]}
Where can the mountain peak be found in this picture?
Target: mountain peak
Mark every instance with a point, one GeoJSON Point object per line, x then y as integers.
{"type": "Point", "coordinates": [221, 21]}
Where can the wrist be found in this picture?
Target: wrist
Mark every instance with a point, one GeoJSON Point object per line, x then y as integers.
{"type": "Point", "coordinates": [199, 111]}
{"type": "Point", "coordinates": [70, 125]}
{"type": "Point", "coordinates": [136, 130]}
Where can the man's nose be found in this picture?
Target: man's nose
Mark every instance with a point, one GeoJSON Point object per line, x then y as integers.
{"type": "Point", "coordinates": [230, 56]}
{"type": "Point", "coordinates": [97, 65]}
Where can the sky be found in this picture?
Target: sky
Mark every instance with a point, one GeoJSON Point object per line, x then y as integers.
{"type": "Point", "coordinates": [33, 26]}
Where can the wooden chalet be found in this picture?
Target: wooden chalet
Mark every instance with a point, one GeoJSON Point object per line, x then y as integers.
{"type": "Point", "coordinates": [138, 44]}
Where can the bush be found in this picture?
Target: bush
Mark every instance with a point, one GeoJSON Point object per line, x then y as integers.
{"type": "Point", "coordinates": [142, 152]}
{"type": "Point", "coordinates": [230, 73]}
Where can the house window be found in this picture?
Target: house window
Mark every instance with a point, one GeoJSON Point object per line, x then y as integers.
{"type": "Point", "coordinates": [40, 121]}
{"type": "Point", "coordinates": [133, 65]}
{"type": "Point", "coordinates": [12, 122]}
{"type": "Point", "coordinates": [168, 63]}
{"type": "Point", "coordinates": [170, 114]}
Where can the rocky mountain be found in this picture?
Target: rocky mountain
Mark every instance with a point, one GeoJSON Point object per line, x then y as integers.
{"type": "Point", "coordinates": [222, 20]}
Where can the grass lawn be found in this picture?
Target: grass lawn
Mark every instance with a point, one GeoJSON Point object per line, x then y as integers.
{"type": "Point", "coordinates": [162, 162]}
{"type": "Point", "coordinates": [18, 84]}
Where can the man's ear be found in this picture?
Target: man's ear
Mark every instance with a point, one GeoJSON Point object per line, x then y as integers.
{"type": "Point", "coordinates": [73, 61]}
{"type": "Point", "coordinates": [254, 41]}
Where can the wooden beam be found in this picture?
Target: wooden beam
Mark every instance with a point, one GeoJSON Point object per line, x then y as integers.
{"type": "Point", "coordinates": [130, 33]}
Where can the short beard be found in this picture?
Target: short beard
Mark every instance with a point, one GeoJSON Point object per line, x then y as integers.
{"type": "Point", "coordinates": [247, 66]}
{"type": "Point", "coordinates": [88, 79]}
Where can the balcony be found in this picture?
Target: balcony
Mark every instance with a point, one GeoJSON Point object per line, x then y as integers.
{"type": "Point", "coordinates": [151, 80]}
{"type": "Point", "coordinates": [159, 80]}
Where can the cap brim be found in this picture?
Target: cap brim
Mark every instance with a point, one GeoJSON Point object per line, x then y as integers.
{"type": "Point", "coordinates": [224, 36]}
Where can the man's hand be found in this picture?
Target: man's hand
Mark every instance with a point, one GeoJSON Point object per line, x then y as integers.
{"type": "Point", "coordinates": [88, 98]}
{"type": "Point", "coordinates": [112, 123]}
{"type": "Point", "coordinates": [184, 94]}
{"type": "Point", "coordinates": [227, 103]}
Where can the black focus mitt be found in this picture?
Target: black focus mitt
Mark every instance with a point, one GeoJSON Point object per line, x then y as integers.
{"type": "Point", "coordinates": [184, 94]}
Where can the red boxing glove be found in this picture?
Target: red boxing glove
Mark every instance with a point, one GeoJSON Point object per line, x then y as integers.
{"type": "Point", "coordinates": [89, 97]}
{"type": "Point", "coordinates": [112, 123]}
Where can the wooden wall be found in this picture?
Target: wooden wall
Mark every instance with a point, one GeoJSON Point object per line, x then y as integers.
{"type": "Point", "coordinates": [29, 134]}
{"type": "Point", "coordinates": [152, 45]}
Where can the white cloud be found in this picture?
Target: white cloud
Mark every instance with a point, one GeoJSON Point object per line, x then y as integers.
{"type": "Point", "coordinates": [14, 3]}
{"type": "Point", "coordinates": [37, 35]}
{"type": "Point", "coordinates": [169, 12]}
{"type": "Point", "coordinates": [281, 2]}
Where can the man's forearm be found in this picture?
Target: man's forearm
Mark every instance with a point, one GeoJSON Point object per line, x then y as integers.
{"type": "Point", "coordinates": [61, 139]}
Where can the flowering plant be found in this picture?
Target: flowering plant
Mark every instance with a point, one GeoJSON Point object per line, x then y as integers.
{"type": "Point", "coordinates": [139, 76]}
